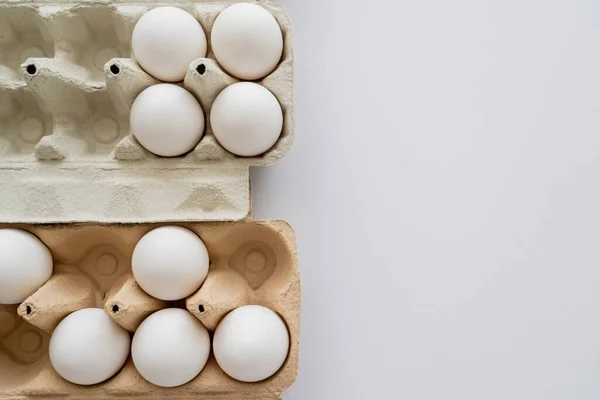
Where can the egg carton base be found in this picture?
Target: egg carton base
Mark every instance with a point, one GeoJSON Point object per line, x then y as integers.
{"type": "Point", "coordinates": [68, 78]}
{"type": "Point", "coordinates": [73, 192]}
{"type": "Point", "coordinates": [92, 268]}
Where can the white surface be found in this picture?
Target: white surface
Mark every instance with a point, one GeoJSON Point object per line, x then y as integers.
{"type": "Point", "coordinates": [25, 265]}
{"type": "Point", "coordinates": [444, 186]}
{"type": "Point", "coordinates": [170, 262]}
{"type": "Point", "coordinates": [167, 120]}
{"type": "Point", "coordinates": [251, 343]}
{"type": "Point", "coordinates": [246, 119]}
{"type": "Point", "coordinates": [87, 347]}
{"type": "Point", "coordinates": [170, 347]}
{"type": "Point", "coordinates": [166, 40]}
{"type": "Point", "coordinates": [247, 41]}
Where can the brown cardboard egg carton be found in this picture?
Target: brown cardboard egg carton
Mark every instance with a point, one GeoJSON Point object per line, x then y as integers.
{"type": "Point", "coordinates": [67, 83]}
{"type": "Point", "coordinates": [252, 262]}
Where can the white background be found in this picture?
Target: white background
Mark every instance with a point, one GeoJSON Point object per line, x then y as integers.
{"type": "Point", "coordinates": [444, 186]}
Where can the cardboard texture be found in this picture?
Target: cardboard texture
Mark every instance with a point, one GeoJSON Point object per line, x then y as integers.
{"type": "Point", "coordinates": [252, 262]}
{"type": "Point", "coordinates": [67, 83]}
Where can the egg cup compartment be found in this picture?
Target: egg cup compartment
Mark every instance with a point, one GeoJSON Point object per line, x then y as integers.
{"type": "Point", "coordinates": [66, 88]}
{"type": "Point", "coordinates": [22, 123]}
{"type": "Point", "coordinates": [23, 34]}
{"type": "Point", "coordinates": [252, 262]}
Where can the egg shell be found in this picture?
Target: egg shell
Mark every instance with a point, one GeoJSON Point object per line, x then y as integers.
{"type": "Point", "coordinates": [246, 119]}
{"type": "Point", "coordinates": [167, 120]}
{"type": "Point", "coordinates": [170, 347]}
{"type": "Point", "coordinates": [25, 265]}
{"type": "Point", "coordinates": [247, 41]}
{"type": "Point", "coordinates": [170, 262]}
{"type": "Point", "coordinates": [166, 40]}
{"type": "Point", "coordinates": [88, 347]}
{"type": "Point", "coordinates": [251, 343]}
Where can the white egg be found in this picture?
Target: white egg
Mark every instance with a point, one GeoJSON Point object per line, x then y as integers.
{"type": "Point", "coordinates": [251, 343]}
{"type": "Point", "coordinates": [167, 120]}
{"type": "Point", "coordinates": [170, 262]}
{"type": "Point", "coordinates": [25, 265]}
{"type": "Point", "coordinates": [247, 41]}
{"type": "Point", "coordinates": [246, 119]}
{"type": "Point", "coordinates": [170, 347]}
{"type": "Point", "coordinates": [88, 347]}
{"type": "Point", "coordinates": [166, 40]}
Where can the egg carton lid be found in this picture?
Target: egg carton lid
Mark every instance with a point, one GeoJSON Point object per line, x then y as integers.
{"type": "Point", "coordinates": [67, 82]}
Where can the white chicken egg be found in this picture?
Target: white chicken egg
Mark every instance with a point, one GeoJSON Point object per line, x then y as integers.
{"type": "Point", "coordinates": [251, 343]}
{"type": "Point", "coordinates": [247, 41]}
{"type": "Point", "coordinates": [170, 347]}
{"type": "Point", "coordinates": [246, 119]}
{"type": "Point", "coordinates": [25, 265]}
{"type": "Point", "coordinates": [88, 347]}
{"type": "Point", "coordinates": [167, 120]}
{"type": "Point", "coordinates": [166, 40]}
{"type": "Point", "coordinates": [170, 262]}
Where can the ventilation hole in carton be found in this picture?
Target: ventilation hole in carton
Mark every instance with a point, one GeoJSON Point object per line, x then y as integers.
{"type": "Point", "coordinates": [31, 69]}
{"type": "Point", "coordinates": [115, 308]}
{"type": "Point", "coordinates": [201, 308]}
{"type": "Point", "coordinates": [201, 69]}
{"type": "Point", "coordinates": [28, 310]}
{"type": "Point", "coordinates": [115, 69]}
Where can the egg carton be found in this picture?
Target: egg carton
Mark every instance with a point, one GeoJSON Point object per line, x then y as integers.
{"type": "Point", "coordinates": [252, 262]}
{"type": "Point", "coordinates": [67, 82]}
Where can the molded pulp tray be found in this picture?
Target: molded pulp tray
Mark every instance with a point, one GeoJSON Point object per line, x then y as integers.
{"type": "Point", "coordinates": [252, 262]}
{"type": "Point", "coordinates": [66, 87]}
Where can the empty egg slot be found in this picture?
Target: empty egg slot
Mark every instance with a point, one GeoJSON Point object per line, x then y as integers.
{"type": "Point", "coordinates": [86, 124]}
{"type": "Point", "coordinates": [22, 122]}
{"type": "Point", "coordinates": [24, 34]}
{"type": "Point", "coordinates": [88, 38]}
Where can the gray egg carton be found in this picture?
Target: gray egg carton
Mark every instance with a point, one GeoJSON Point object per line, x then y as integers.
{"type": "Point", "coordinates": [67, 82]}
